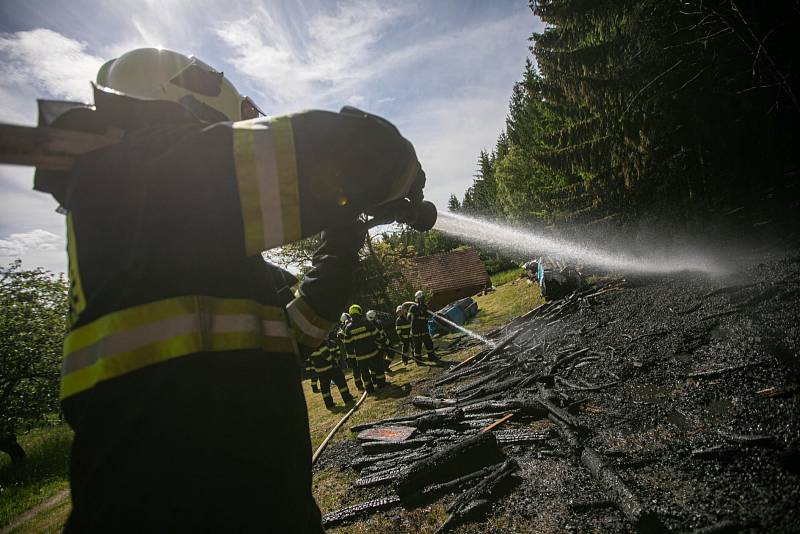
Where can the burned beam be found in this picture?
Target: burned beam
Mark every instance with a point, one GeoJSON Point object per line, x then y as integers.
{"type": "Point", "coordinates": [466, 455]}
{"type": "Point", "coordinates": [642, 518]}
{"type": "Point", "coordinates": [477, 500]}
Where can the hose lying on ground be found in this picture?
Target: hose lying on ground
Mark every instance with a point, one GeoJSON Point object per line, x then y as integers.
{"type": "Point", "coordinates": [342, 421]}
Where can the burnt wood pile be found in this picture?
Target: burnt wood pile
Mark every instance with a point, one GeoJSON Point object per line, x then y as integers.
{"type": "Point", "coordinates": [463, 438]}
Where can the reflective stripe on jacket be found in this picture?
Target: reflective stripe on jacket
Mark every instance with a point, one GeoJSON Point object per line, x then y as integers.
{"type": "Point", "coordinates": [324, 358]}
{"type": "Point", "coordinates": [130, 339]}
{"type": "Point", "coordinates": [360, 339]}
{"type": "Point", "coordinates": [418, 316]}
{"type": "Point", "coordinates": [403, 328]}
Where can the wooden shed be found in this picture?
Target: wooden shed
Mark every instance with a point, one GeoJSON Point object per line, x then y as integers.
{"type": "Point", "coordinates": [448, 276]}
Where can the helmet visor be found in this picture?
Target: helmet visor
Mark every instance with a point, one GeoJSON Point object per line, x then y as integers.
{"type": "Point", "coordinates": [196, 79]}
{"type": "Point", "coordinates": [250, 110]}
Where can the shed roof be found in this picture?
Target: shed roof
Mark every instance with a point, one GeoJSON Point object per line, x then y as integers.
{"type": "Point", "coordinates": [449, 271]}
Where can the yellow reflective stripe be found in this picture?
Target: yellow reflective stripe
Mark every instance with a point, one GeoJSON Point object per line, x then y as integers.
{"type": "Point", "coordinates": [287, 178]}
{"type": "Point", "coordinates": [266, 172]}
{"type": "Point", "coordinates": [119, 364]}
{"type": "Point", "coordinates": [366, 356]}
{"type": "Point", "coordinates": [323, 369]}
{"type": "Point", "coordinates": [310, 328]}
{"type": "Point", "coordinates": [247, 179]}
{"type": "Point", "coordinates": [77, 299]}
{"type": "Point", "coordinates": [165, 309]}
{"type": "Point", "coordinates": [130, 339]}
{"type": "Point", "coordinates": [361, 336]}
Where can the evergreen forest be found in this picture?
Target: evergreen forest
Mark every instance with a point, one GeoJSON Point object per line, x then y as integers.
{"type": "Point", "coordinates": [645, 109]}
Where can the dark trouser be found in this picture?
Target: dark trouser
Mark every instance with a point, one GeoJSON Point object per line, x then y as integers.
{"type": "Point", "coordinates": [406, 346]}
{"type": "Point", "coordinates": [314, 379]}
{"type": "Point", "coordinates": [335, 375]}
{"type": "Point", "coordinates": [353, 363]}
{"type": "Point", "coordinates": [419, 340]}
{"type": "Point", "coordinates": [372, 372]}
{"type": "Point", "coordinates": [190, 445]}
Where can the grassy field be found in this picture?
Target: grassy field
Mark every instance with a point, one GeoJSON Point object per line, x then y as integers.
{"type": "Point", "coordinates": [331, 485]}
{"type": "Point", "coordinates": [40, 485]}
{"type": "Point", "coordinates": [504, 277]}
{"type": "Point", "coordinates": [34, 481]}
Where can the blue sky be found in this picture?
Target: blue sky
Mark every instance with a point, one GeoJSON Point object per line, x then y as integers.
{"type": "Point", "coordinates": [442, 71]}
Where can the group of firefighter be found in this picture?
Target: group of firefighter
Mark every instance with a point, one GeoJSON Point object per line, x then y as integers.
{"type": "Point", "coordinates": [367, 348]}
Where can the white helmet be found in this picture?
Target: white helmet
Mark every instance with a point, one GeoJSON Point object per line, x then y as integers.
{"type": "Point", "coordinates": [158, 74]}
{"type": "Point", "coordinates": [344, 318]}
{"type": "Point", "coordinates": [399, 309]}
{"type": "Point", "coordinates": [371, 314]}
{"type": "Point", "coordinates": [419, 295]}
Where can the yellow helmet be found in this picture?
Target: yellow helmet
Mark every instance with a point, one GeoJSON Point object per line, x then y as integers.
{"type": "Point", "coordinates": [355, 309]}
{"type": "Point", "coordinates": [158, 74]}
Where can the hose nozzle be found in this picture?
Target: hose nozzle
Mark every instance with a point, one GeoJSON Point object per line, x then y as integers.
{"type": "Point", "coordinates": [420, 216]}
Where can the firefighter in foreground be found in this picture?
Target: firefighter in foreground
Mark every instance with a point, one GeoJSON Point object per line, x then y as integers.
{"type": "Point", "coordinates": [418, 315]}
{"type": "Point", "coordinates": [403, 328]}
{"type": "Point", "coordinates": [385, 349]}
{"type": "Point", "coordinates": [361, 343]}
{"type": "Point", "coordinates": [326, 366]}
{"type": "Point", "coordinates": [180, 372]}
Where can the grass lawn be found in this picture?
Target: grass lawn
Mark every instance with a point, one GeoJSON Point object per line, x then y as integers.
{"type": "Point", "coordinates": [504, 277]}
{"type": "Point", "coordinates": [42, 475]}
{"type": "Point", "coordinates": [332, 487]}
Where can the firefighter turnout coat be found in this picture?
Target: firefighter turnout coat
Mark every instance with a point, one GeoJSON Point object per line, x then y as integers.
{"type": "Point", "coordinates": [183, 348]}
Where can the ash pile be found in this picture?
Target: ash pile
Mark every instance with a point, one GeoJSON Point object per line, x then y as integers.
{"type": "Point", "coordinates": [641, 405]}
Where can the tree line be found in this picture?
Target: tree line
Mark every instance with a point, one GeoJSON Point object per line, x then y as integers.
{"type": "Point", "coordinates": [650, 108]}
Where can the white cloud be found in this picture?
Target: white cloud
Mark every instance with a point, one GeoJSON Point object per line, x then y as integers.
{"type": "Point", "coordinates": [22, 209]}
{"type": "Point", "coordinates": [18, 244]}
{"type": "Point", "coordinates": [48, 61]}
{"type": "Point", "coordinates": [330, 53]}
{"type": "Point", "coordinates": [451, 137]}
{"type": "Point", "coordinates": [357, 100]}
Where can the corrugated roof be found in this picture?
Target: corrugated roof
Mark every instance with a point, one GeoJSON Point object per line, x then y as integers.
{"type": "Point", "coordinates": [448, 271]}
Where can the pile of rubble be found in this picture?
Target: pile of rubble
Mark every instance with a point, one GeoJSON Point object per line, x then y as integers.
{"type": "Point", "coordinates": [455, 444]}
{"type": "Point", "coordinates": [649, 397]}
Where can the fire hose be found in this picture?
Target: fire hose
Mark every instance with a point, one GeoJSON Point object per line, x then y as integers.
{"type": "Point", "coordinates": [336, 428]}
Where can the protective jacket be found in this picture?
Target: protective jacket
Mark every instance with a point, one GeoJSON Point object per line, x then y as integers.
{"type": "Point", "coordinates": [382, 338]}
{"type": "Point", "coordinates": [326, 356]}
{"type": "Point", "coordinates": [418, 316]}
{"type": "Point", "coordinates": [361, 339]}
{"type": "Point", "coordinates": [178, 325]}
{"type": "Point", "coordinates": [403, 328]}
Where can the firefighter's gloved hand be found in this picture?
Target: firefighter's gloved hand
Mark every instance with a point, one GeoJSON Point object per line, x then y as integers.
{"type": "Point", "coordinates": [326, 287]}
{"type": "Point", "coordinates": [343, 241]}
{"type": "Point", "coordinates": [415, 194]}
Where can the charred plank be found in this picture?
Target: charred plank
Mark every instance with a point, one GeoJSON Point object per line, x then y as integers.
{"type": "Point", "coordinates": [642, 518]}
{"type": "Point", "coordinates": [358, 511]}
{"type": "Point", "coordinates": [464, 456]}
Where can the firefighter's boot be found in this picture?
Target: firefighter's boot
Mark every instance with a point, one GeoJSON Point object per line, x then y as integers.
{"type": "Point", "coordinates": [347, 398]}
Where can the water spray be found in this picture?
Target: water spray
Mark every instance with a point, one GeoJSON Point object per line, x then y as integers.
{"type": "Point", "coordinates": [462, 329]}
{"type": "Point", "coordinates": [526, 243]}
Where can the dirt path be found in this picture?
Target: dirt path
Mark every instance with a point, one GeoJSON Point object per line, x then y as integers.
{"type": "Point", "coordinates": [48, 504]}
